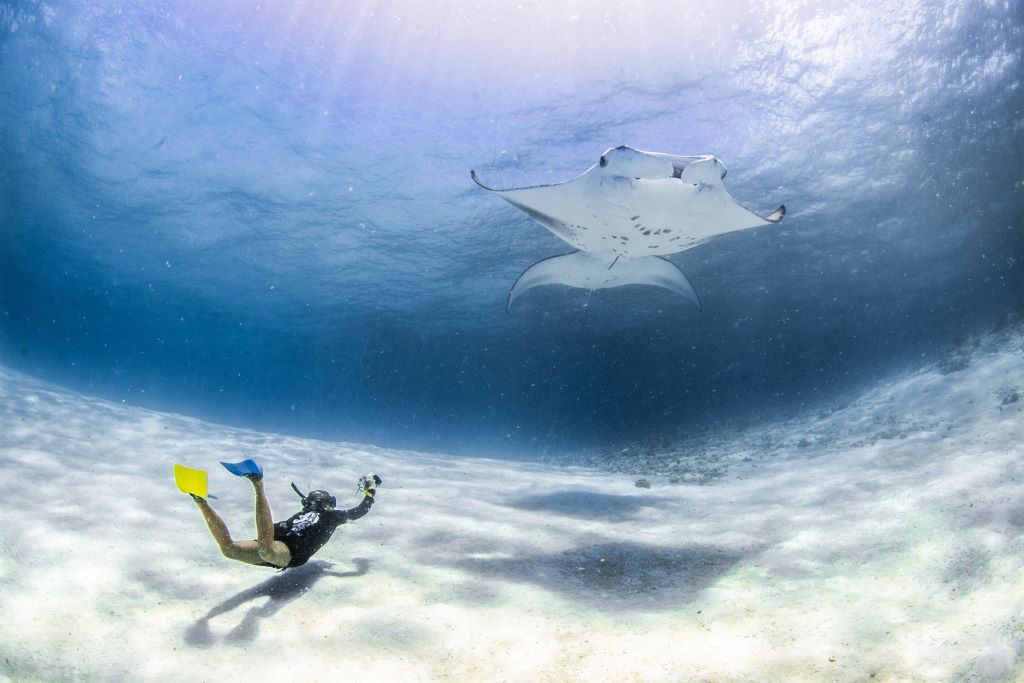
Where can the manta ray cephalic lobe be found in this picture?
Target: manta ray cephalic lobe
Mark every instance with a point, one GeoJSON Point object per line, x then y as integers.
{"type": "Point", "coordinates": [626, 212]}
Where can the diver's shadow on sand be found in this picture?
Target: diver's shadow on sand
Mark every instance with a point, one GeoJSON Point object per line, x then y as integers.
{"type": "Point", "coordinates": [280, 590]}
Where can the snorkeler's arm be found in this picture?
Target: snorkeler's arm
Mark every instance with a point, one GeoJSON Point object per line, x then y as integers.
{"type": "Point", "coordinates": [368, 487]}
{"type": "Point", "coordinates": [342, 516]}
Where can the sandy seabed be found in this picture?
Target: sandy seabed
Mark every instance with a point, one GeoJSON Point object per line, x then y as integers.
{"type": "Point", "coordinates": [881, 542]}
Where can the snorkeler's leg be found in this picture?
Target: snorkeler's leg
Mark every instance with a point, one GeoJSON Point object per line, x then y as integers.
{"type": "Point", "coordinates": [243, 551]}
{"type": "Point", "coordinates": [274, 552]}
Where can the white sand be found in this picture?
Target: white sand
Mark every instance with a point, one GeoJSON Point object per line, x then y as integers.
{"type": "Point", "coordinates": [888, 548]}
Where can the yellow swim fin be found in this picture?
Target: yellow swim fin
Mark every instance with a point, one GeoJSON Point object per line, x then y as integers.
{"type": "Point", "coordinates": [190, 480]}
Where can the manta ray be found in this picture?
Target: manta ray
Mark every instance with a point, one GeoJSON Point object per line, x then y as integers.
{"type": "Point", "coordinates": [626, 212]}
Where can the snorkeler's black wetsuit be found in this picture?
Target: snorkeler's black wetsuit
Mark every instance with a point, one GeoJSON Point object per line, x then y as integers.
{"type": "Point", "coordinates": [306, 532]}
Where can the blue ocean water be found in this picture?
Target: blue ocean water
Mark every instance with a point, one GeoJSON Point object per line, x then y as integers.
{"type": "Point", "coordinates": [262, 214]}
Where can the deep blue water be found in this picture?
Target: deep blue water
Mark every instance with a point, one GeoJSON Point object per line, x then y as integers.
{"type": "Point", "coordinates": [263, 215]}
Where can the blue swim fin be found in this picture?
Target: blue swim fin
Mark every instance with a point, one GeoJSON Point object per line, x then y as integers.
{"type": "Point", "coordinates": [243, 469]}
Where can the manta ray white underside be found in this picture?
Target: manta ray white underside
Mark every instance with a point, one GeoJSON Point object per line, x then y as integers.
{"type": "Point", "coordinates": [624, 213]}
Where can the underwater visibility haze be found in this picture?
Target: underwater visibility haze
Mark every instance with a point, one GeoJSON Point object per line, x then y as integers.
{"type": "Point", "coordinates": [262, 213]}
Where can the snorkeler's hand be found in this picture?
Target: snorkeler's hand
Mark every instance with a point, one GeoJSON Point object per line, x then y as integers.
{"type": "Point", "coordinates": [368, 484]}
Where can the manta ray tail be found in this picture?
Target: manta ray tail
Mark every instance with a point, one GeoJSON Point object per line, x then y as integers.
{"type": "Point", "coordinates": [589, 271]}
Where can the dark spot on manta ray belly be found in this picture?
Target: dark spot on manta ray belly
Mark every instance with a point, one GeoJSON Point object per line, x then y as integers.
{"type": "Point", "coordinates": [636, 217]}
{"type": "Point", "coordinates": [535, 214]}
{"type": "Point", "coordinates": [547, 221]}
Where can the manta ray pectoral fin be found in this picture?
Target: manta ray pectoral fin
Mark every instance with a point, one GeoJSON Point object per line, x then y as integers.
{"type": "Point", "coordinates": [592, 271]}
{"type": "Point", "coordinates": [776, 215]}
{"type": "Point", "coordinates": [476, 179]}
{"type": "Point", "coordinates": [657, 272]}
{"type": "Point", "coordinates": [511, 192]}
{"type": "Point", "coordinates": [567, 269]}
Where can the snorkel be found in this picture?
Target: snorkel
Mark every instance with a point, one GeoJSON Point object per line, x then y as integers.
{"type": "Point", "coordinates": [318, 500]}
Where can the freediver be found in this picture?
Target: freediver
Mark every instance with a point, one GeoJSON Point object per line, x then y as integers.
{"type": "Point", "coordinates": [289, 543]}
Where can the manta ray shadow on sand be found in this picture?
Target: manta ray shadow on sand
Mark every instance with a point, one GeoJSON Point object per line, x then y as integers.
{"type": "Point", "coordinates": [588, 504]}
{"type": "Point", "coordinates": [624, 214]}
{"type": "Point", "coordinates": [616, 576]}
{"type": "Point", "coordinates": [281, 589]}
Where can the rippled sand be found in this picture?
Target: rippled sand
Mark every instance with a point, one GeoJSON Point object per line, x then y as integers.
{"type": "Point", "coordinates": [881, 542]}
